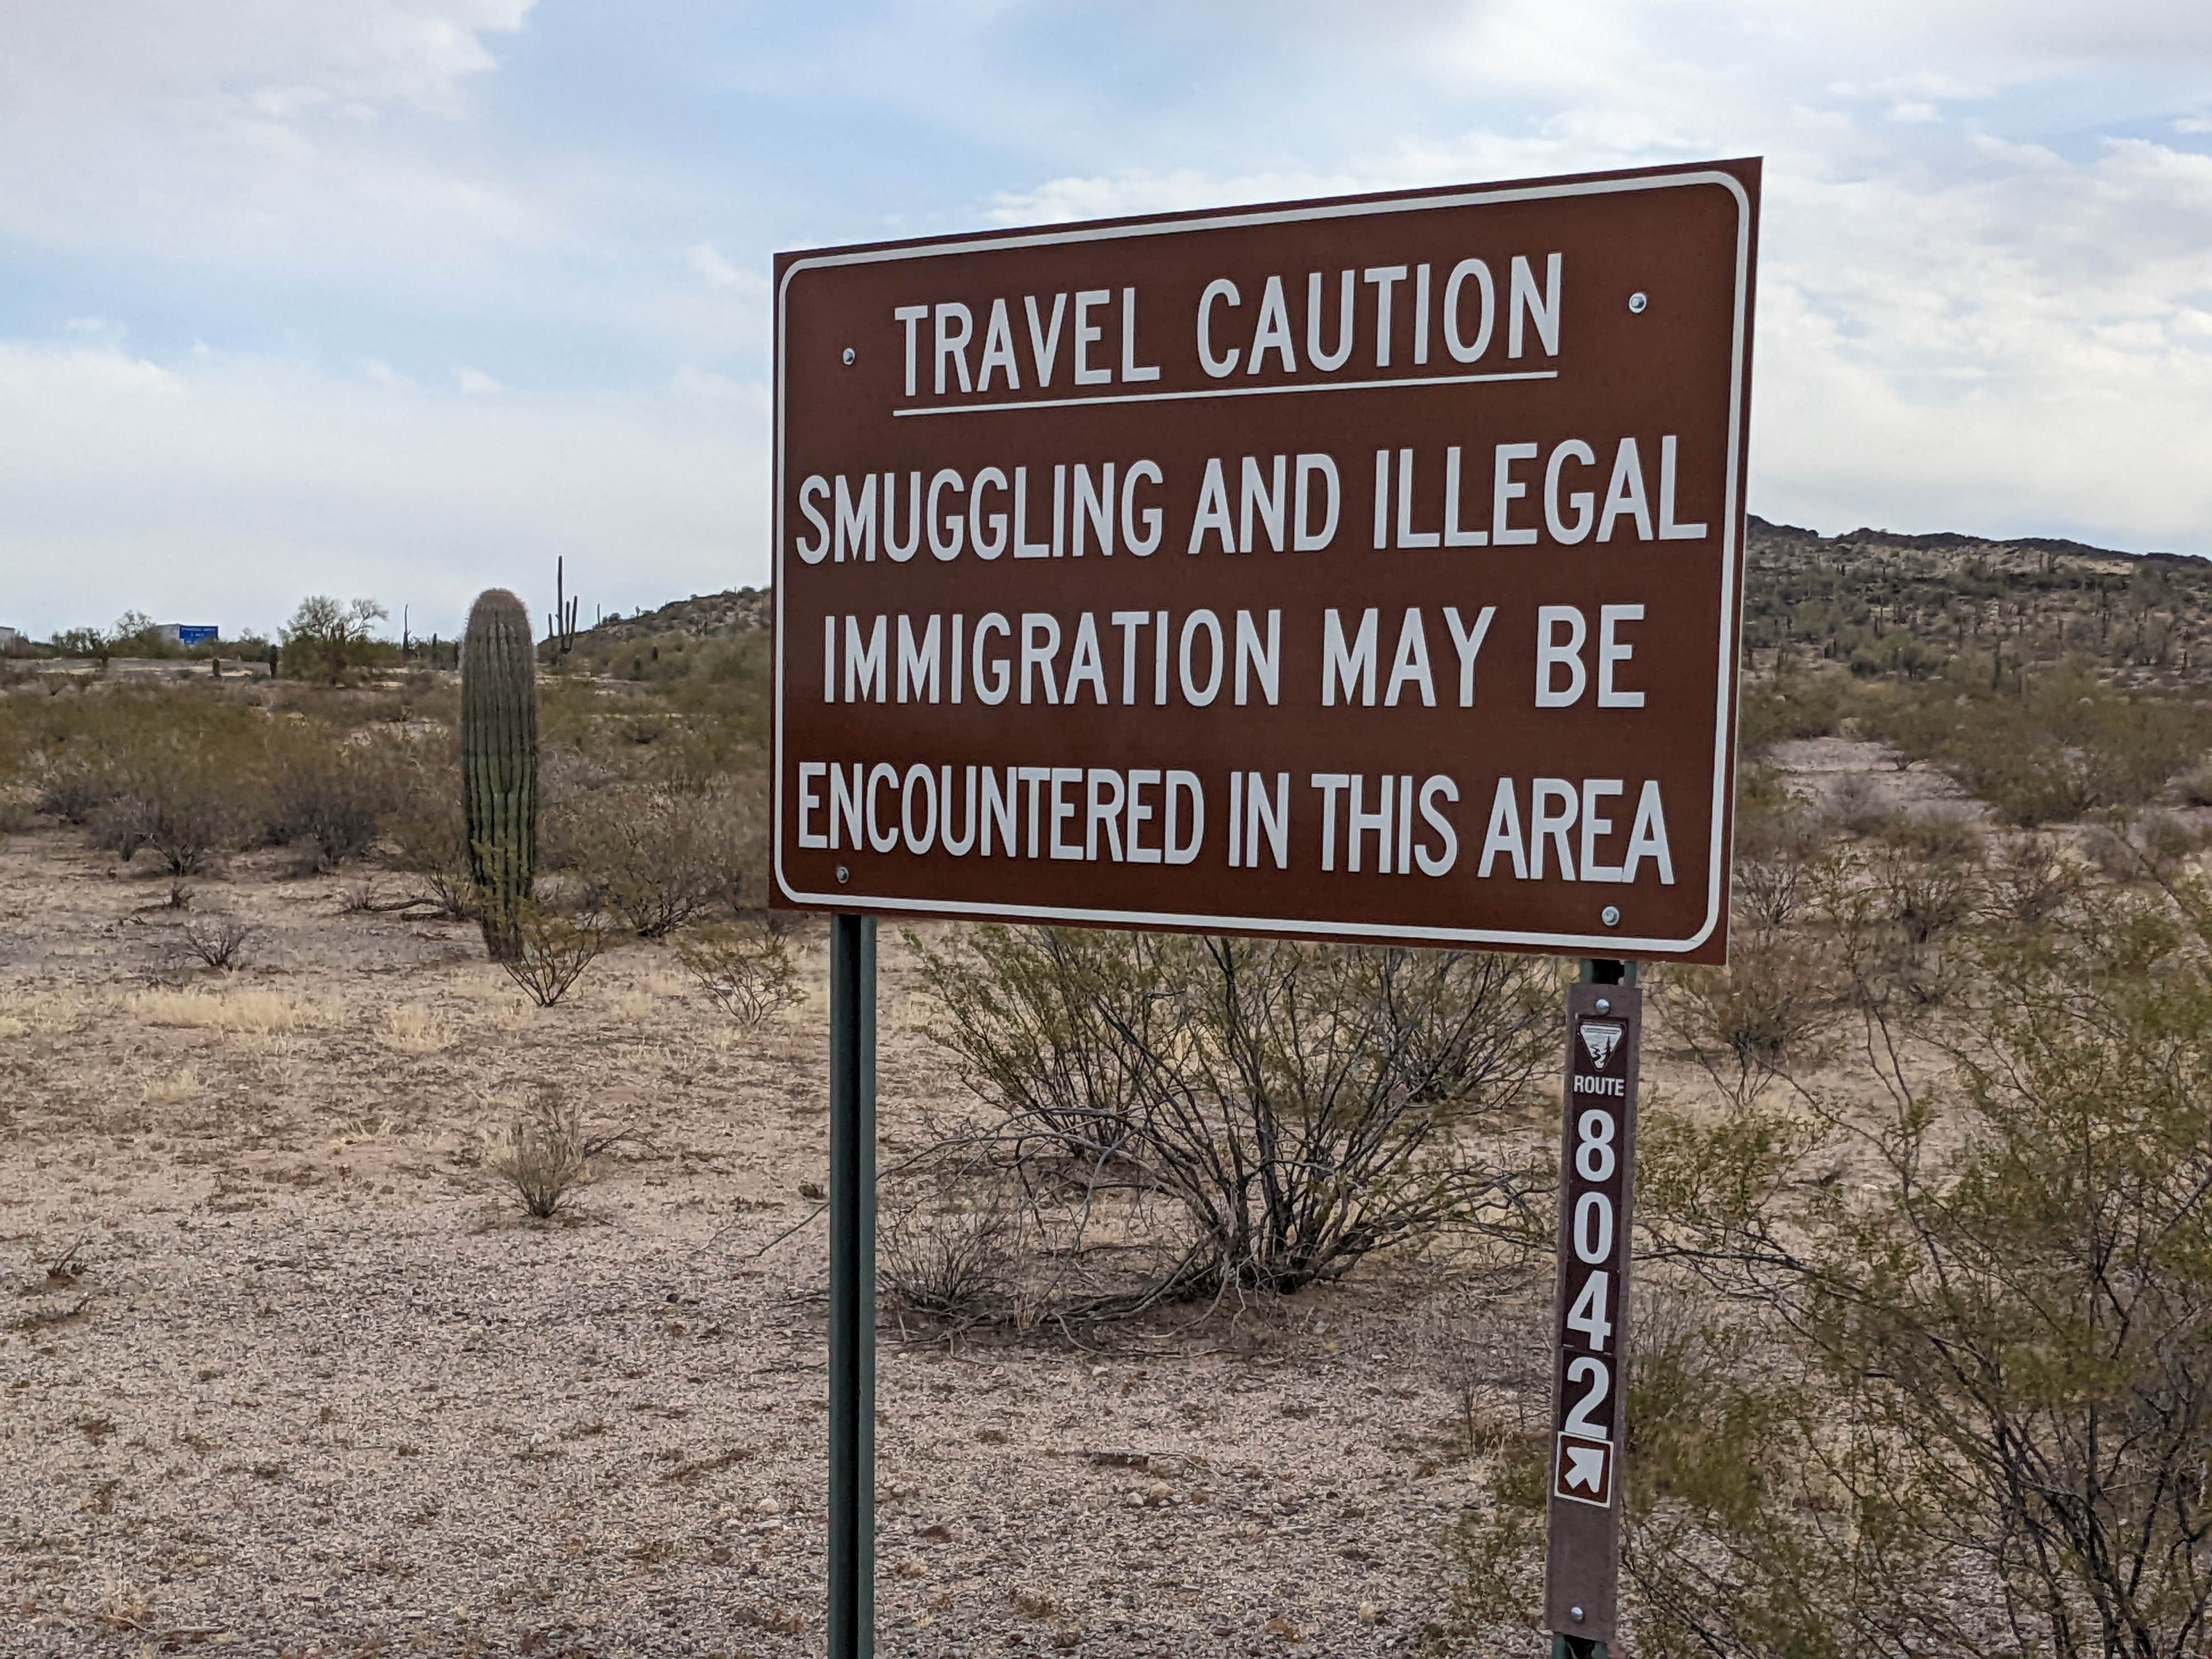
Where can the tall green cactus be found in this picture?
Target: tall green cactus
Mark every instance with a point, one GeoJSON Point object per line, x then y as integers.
{"type": "Point", "coordinates": [499, 764]}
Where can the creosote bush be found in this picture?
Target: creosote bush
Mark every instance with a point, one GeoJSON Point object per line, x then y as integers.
{"type": "Point", "coordinates": [953, 1256]}
{"type": "Point", "coordinates": [1292, 1108]}
{"type": "Point", "coordinates": [661, 856]}
{"type": "Point", "coordinates": [2072, 747]}
{"type": "Point", "coordinates": [330, 798]}
{"type": "Point", "coordinates": [747, 971]}
{"type": "Point", "coordinates": [1950, 1387]}
{"type": "Point", "coordinates": [180, 801]}
{"type": "Point", "coordinates": [547, 1153]}
{"type": "Point", "coordinates": [218, 941]}
{"type": "Point", "coordinates": [552, 951]}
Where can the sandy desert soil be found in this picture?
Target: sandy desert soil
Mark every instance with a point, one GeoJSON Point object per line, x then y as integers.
{"type": "Point", "coordinates": [285, 1373]}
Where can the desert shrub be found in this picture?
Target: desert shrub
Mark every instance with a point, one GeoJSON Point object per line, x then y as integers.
{"type": "Point", "coordinates": [2158, 848]}
{"type": "Point", "coordinates": [75, 785]}
{"type": "Point", "coordinates": [747, 971]}
{"type": "Point", "coordinates": [1856, 803]}
{"type": "Point", "coordinates": [1294, 1106]}
{"type": "Point", "coordinates": [1913, 725]}
{"type": "Point", "coordinates": [218, 941]}
{"type": "Point", "coordinates": [1893, 910]}
{"type": "Point", "coordinates": [547, 1153]}
{"type": "Point", "coordinates": [1791, 707]}
{"type": "Point", "coordinates": [1773, 1009]}
{"type": "Point", "coordinates": [1779, 849]}
{"type": "Point", "coordinates": [333, 797]}
{"type": "Point", "coordinates": [1981, 1365]}
{"type": "Point", "coordinates": [2073, 748]}
{"type": "Point", "coordinates": [426, 835]}
{"type": "Point", "coordinates": [553, 950]}
{"type": "Point", "coordinates": [660, 857]}
{"type": "Point", "coordinates": [2029, 882]}
{"type": "Point", "coordinates": [953, 1257]}
{"type": "Point", "coordinates": [184, 800]}
{"type": "Point", "coordinates": [1927, 867]}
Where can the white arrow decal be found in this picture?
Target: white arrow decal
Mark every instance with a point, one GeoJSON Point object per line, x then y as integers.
{"type": "Point", "coordinates": [1586, 1467]}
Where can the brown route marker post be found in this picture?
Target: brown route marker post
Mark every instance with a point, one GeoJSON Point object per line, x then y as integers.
{"type": "Point", "coordinates": [1364, 569]}
{"type": "Point", "coordinates": [1597, 1154]}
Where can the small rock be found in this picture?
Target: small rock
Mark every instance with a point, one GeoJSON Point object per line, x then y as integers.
{"type": "Point", "coordinates": [1158, 1492]}
{"type": "Point", "coordinates": [1369, 1613]}
{"type": "Point", "coordinates": [767, 1506]}
{"type": "Point", "coordinates": [1135, 1500]}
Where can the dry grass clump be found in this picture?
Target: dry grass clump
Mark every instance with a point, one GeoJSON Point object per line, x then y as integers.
{"type": "Point", "coordinates": [416, 1029]}
{"type": "Point", "coordinates": [633, 1005]}
{"type": "Point", "coordinates": [547, 1153]}
{"type": "Point", "coordinates": [256, 1012]}
{"type": "Point", "coordinates": [53, 1014]}
{"type": "Point", "coordinates": [174, 1090]}
{"type": "Point", "coordinates": [12, 1028]}
{"type": "Point", "coordinates": [121, 1605]}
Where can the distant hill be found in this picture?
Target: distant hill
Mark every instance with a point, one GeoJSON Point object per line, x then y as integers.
{"type": "Point", "coordinates": [702, 616]}
{"type": "Point", "coordinates": [1889, 606]}
{"type": "Point", "coordinates": [1884, 604]}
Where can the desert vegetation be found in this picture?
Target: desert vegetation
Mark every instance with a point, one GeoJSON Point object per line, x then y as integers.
{"type": "Point", "coordinates": [466, 1203]}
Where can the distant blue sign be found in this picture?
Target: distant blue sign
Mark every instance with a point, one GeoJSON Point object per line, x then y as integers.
{"type": "Point", "coordinates": [198, 635]}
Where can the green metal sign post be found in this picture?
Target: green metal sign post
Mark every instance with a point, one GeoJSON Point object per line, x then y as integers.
{"type": "Point", "coordinates": [851, 1287]}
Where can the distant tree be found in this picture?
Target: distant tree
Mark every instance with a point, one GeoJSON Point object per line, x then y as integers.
{"type": "Point", "coordinates": [326, 637]}
{"type": "Point", "coordinates": [135, 634]}
{"type": "Point", "coordinates": [81, 642]}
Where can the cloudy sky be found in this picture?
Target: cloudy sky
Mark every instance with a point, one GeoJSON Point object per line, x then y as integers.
{"type": "Point", "coordinates": [406, 297]}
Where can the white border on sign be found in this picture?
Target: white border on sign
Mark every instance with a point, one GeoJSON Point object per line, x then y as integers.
{"type": "Point", "coordinates": [1598, 945]}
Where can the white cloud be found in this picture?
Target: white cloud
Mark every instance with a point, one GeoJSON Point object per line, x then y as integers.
{"type": "Point", "coordinates": [228, 486]}
{"type": "Point", "coordinates": [1958, 329]}
{"type": "Point", "coordinates": [713, 269]}
{"type": "Point", "coordinates": [251, 132]}
{"type": "Point", "coordinates": [1979, 312]}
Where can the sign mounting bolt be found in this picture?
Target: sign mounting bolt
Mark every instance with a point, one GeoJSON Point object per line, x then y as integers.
{"type": "Point", "coordinates": [843, 875]}
{"type": "Point", "coordinates": [1638, 302]}
{"type": "Point", "coordinates": [1605, 1005]}
{"type": "Point", "coordinates": [1610, 915]}
{"type": "Point", "coordinates": [1577, 1613]}
{"type": "Point", "coordinates": [853, 356]}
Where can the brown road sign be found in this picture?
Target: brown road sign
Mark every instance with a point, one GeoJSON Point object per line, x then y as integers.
{"type": "Point", "coordinates": [1363, 570]}
{"type": "Point", "coordinates": [1589, 1419]}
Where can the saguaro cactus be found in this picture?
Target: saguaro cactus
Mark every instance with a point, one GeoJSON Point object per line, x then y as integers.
{"type": "Point", "coordinates": [499, 764]}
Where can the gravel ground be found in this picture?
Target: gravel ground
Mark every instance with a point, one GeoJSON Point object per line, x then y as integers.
{"type": "Point", "coordinates": [309, 1386]}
